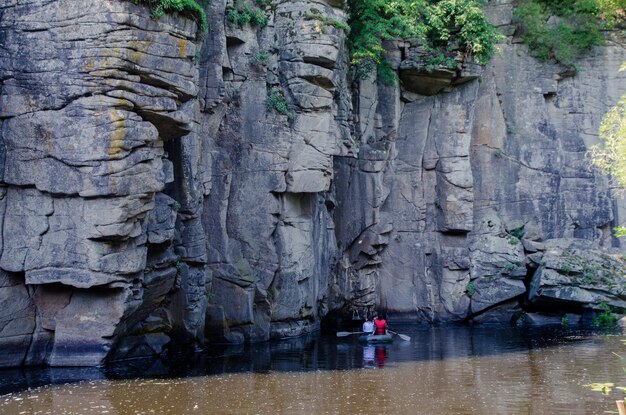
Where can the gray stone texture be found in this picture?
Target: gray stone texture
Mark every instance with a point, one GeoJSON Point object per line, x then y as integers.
{"type": "Point", "coordinates": [575, 273]}
{"type": "Point", "coordinates": [91, 95]}
{"type": "Point", "coordinates": [270, 236]}
{"type": "Point", "coordinates": [475, 180]}
{"type": "Point", "coordinates": [155, 197]}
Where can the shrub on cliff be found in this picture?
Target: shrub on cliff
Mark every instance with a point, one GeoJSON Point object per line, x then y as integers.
{"type": "Point", "coordinates": [564, 29]}
{"type": "Point", "coordinates": [190, 7]}
{"type": "Point", "coordinates": [437, 26]}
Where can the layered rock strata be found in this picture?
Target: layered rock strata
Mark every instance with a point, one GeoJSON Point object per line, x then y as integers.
{"type": "Point", "coordinates": [91, 93]}
{"type": "Point", "coordinates": [161, 192]}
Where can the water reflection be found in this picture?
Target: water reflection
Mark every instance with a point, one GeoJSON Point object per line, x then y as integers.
{"type": "Point", "coordinates": [369, 353]}
{"type": "Point", "coordinates": [442, 370]}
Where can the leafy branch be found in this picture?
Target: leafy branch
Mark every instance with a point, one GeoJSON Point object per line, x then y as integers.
{"type": "Point", "coordinates": [438, 26]}
{"type": "Point", "coordinates": [564, 29]}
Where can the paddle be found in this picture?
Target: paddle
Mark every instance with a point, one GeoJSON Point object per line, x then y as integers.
{"type": "Point", "coordinates": [347, 333]}
{"type": "Point", "coordinates": [402, 336]}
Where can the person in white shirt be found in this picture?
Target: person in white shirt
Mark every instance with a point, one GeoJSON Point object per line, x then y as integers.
{"type": "Point", "coordinates": [368, 327]}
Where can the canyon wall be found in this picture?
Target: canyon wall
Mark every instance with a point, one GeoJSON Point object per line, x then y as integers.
{"type": "Point", "coordinates": [162, 191]}
{"type": "Point", "coordinates": [474, 175]}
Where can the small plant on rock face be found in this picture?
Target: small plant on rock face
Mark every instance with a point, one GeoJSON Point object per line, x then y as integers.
{"type": "Point", "coordinates": [316, 14]}
{"type": "Point", "coordinates": [239, 15]}
{"type": "Point", "coordinates": [470, 289]}
{"type": "Point", "coordinates": [191, 7]}
{"type": "Point", "coordinates": [515, 235]}
{"type": "Point", "coordinates": [510, 129]}
{"type": "Point", "coordinates": [261, 57]}
{"type": "Point", "coordinates": [513, 240]}
{"type": "Point", "coordinates": [517, 232]}
{"type": "Point", "coordinates": [565, 320]}
{"type": "Point", "coordinates": [606, 318]}
{"type": "Point", "coordinates": [510, 266]}
{"type": "Point", "coordinates": [437, 60]}
{"type": "Point", "coordinates": [276, 101]}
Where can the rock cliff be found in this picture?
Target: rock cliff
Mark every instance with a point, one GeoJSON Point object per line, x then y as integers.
{"type": "Point", "coordinates": [165, 192]}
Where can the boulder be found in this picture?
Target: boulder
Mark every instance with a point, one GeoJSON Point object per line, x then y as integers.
{"type": "Point", "coordinates": [577, 274]}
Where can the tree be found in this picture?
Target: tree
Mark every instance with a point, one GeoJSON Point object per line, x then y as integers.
{"type": "Point", "coordinates": [611, 158]}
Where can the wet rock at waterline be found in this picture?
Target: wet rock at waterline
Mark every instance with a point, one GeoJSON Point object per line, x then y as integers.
{"type": "Point", "coordinates": [162, 192]}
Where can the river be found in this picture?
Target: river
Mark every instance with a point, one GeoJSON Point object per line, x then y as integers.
{"type": "Point", "coordinates": [443, 370]}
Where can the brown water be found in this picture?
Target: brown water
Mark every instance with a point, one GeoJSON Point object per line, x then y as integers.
{"type": "Point", "coordinates": [440, 371]}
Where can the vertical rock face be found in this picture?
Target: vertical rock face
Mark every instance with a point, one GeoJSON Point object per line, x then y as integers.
{"type": "Point", "coordinates": [160, 192]}
{"type": "Point", "coordinates": [280, 118]}
{"type": "Point", "coordinates": [89, 100]}
{"type": "Point", "coordinates": [464, 187]}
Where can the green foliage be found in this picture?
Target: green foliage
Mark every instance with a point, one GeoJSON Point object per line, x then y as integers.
{"type": "Point", "coordinates": [242, 14]}
{"type": "Point", "coordinates": [261, 57]}
{"type": "Point", "coordinates": [316, 14]}
{"type": "Point", "coordinates": [462, 22]}
{"type": "Point", "coordinates": [564, 29]}
{"type": "Point", "coordinates": [510, 129]}
{"type": "Point", "coordinates": [470, 289]}
{"type": "Point", "coordinates": [276, 101]}
{"type": "Point", "coordinates": [510, 266]}
{"type": "Point", "coordinates": [437, 25]}
{"type": "Point", "coordinates": [438, 59]}
{"type": "Point", "coordinates": [606, 318]}
{"type": "Point", "coordinates": [517, 232]}
{"type": "Point", "coordinates": [565, 321]}
{"type": "Point", "coordinates": [190, 7]}
{"type": "Point", "coordinates": [611, 159]}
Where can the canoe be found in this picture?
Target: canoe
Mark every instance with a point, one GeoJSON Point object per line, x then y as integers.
{"type": "Point", "coordinates": [376, 338]}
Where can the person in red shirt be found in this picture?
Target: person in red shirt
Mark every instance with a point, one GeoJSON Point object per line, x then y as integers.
{"type": "Point", "coordinates": [380, 324]}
